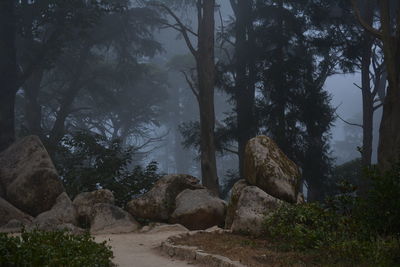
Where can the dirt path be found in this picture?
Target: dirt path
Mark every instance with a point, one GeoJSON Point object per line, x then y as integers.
{"type": "Point", "coordinates": [140, 249]}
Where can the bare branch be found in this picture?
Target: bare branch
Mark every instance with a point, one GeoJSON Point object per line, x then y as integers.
{"type": "Point", "coordinates": [363, 23]}
{"type": "Point", "coordinates": [179, 27]}
{"type": "Point", "coordinates": [347, 122]}
{"type": "Point", "coordinates": [191, 85]}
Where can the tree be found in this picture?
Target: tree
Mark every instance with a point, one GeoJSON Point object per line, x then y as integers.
{"type": "Point", "coordinates": [389, 141]}
{"type": "Point", "coordinates": [8, 72]}
{"type": "Point", "coordinates": [245, 75]}
{"type": "Point", "coordinates": [203, 87]}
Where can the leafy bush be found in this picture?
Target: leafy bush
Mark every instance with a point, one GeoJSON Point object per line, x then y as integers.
{"type": "Point", "coordinates": [56, 248]}
{"type": "Point", "coordinates": [380, 210]}
{"type": "Point", "coordinates": [345, 229]}
{"type": "Point", "coordinates": [88, 161]}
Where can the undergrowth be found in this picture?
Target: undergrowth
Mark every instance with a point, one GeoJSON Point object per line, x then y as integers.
{"type": "Point", "coordinates": [57, 248]}
{"type": "Point", "coordinates": [345, 230]}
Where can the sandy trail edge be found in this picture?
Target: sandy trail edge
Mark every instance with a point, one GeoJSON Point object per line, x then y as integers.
{"type": "Point", "coordinates": [140, 249]}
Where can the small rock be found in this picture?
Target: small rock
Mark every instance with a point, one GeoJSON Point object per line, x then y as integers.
{"type": "Point", "coordinates": [84, 203]}
{"type": "Point", "coordinates": [63, 212]}
{"type": "Point", "coordinates": [9, 212]}
{"type": "Point", "coordinates": [253, 205]}
{"type": "Point", "coordinates": [232, 205]}
{"type": "Point", "coordinates": [109, 219]}
{"type": "Point", "coordinates": [198, 209]}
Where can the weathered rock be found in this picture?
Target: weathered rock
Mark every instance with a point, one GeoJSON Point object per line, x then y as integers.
{"type": "Point", "coordinates": [84, 203]}
{"type": "Point", "coordinates": [9, 212]}
{"type": "Point", "coordinates": [300, 199]}
{"type": "Point", "coordinates": [159, 202]}
{"type": "Point", "coordinates": [14, 226]}
{"type": "Point", "coordinates": [110, 219]}
{"type": "Point", "coordinates": [232, 205]}
{"type": "Point", "coordinates": [253, 205]}
{"type": "Point", "coordinates": [198, 209]}
{"type": "Point", "coordinates": [267, 167]}
{"type": "Point", "coordinates": [63, 212]}
{"type": "Point", "coordinates": [30, 181]}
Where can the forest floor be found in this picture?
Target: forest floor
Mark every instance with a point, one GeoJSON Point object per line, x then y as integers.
{"type": "Point", "coordinates": [141, 249]}
{"type": "Point", "coordinates": [249, 251]}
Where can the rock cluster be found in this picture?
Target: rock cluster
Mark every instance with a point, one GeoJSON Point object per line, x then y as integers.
{"type": "Point", "coordinates": [271, 179]}
{"type": "Point", "coordinates": [180, 199]}
{"type": "Point", "coordinates": [32, 196]}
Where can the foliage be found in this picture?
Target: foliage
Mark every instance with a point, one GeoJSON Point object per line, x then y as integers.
{"type": "Point", "coordinates": [364, 231]}
{"type": "Point", "coordinates": [56, 248]}
{"type": "Point", "coordinates": [88, 161]}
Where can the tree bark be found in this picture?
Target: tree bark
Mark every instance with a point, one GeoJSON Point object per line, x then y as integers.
{"type": "Point", "coordinates": [8, 72]}
{"type": "Point", "coordinates": [206, 82]}
{"type": "Point", "coordinates": [33, 111]}
{"type": "Point", "coordinates": [245, 77]}
{"type": "Point", "coordinates": [389, 139]}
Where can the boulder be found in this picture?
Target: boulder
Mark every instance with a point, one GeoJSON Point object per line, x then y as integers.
{"type": "Point", "coordinates": [63, 212]}
{"type": "Point", "coordinates": [9, 212]}
{"type": "Point", "coordinates": [266, 166]}
{"type": "Point", "coordinates": [28, 176]}
{"type": "Point", "coordinates": [14, 226]}
{"type": "Point", "coordinates": [110, 219]}
{"type": "Point", "coordinates": [159, 202]}
{"type": "Point", "coordinates": [232, 205]}
{"type": "Point", "coordinates": [84, 203]}
{"type": "Point", "coordinates": [253, 205]}
{"type": "Point", "coordinates": [198, 209]}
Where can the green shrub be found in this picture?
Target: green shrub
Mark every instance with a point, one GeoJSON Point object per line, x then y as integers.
{"type": "Point", "coordinates": [56, 248]}
{"type": "Point", "coordinates": [346, 230]}
{"type": "Point", "coordinates": [87, 161]}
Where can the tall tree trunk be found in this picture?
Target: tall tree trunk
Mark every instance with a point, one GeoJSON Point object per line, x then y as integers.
{"type": "Point", "coordinates": [8, 73]}
{"type": "Point", "coordinates": [33, 112]}
{"type": "Point", "coordinates": [389, 132]}
{"type": "Point", "coordinates": [367, 97]}
{"type": "Point", "coordinates": [206, 83]}
{"type": "Point", "coordinates": [245, 77]}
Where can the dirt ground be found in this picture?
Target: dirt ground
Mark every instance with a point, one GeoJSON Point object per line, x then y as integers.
{"type": "Point", "coordinates": [249, 251]}
{"type": "Point", "coordinates": [140, 249]}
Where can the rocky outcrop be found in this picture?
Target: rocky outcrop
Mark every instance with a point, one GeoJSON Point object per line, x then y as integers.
{"type": "Point", "coordinates": [28, 177]}
{"type": "Point", "coordinates": [267, 167]}
{"type": "Point", "coordinates": [159, 202]}
{"type": "Point", "coordinates": [198, 209]}
{"type": "Point", "coordinates": [84, 203]}
{"type": "Point", "coordinates": [14, 226]}
{"type": "Point", "coordinates": [232, 206]}
{"type": "Point", "coordinates": [253, 205]}
{"type": "Point", "coordinates": [109, 219]}
{"type": "Point", "coordinates": [61, 214]}
{"type": "Point", "coordinates": [9, 212]}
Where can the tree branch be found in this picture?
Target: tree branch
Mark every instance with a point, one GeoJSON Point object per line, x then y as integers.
{"type": "Point", "coordinates": [192, 87]}
{"type": "Point", "coordinates": [179, 27]}
{"type": "Point", "coordinates": [363, 23]}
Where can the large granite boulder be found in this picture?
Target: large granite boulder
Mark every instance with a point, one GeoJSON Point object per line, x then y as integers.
{"type": "Point", "coordinates": [28, 176]}
{"type": "Point", "coordinates": [267, 167]}
{"type": "Point", "coordinates": [110, 219]}
{"type": "Point", "coordinates": [198, 209]}
{"type": "Point", "coordinates": [233, 201]}
{"type": "Point", "coordinates": [84, 203]}
{"type": "Point", "coordinates": [253, 205]}
{"type": "Point", "coordinates": [62, 213]}
{"type": "Point", "coordinates": [159, 202]}
{"type": "Point", "coordinates": [8, 212]}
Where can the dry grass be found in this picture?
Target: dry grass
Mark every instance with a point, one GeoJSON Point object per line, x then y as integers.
{"type": "Point", "coordinates": [250, 251]}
